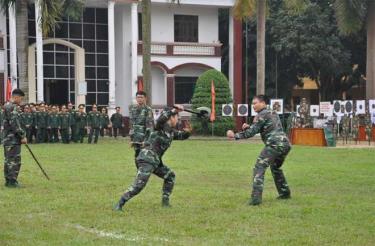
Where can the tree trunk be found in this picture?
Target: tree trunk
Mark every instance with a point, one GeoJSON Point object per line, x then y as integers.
{"type": "Point", "coordinates": [370, 65]}
{"type": "Point", "coordinates": [261, 43]}
{"type": "Point", "coordinates": [22, 45]}
{"type": "Point", "coordinates": [146, 33]}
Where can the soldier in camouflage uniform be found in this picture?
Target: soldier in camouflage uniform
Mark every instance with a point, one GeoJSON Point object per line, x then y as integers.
{"type": "Point", "coordinates": [65, 124]}
{"type": "Point", "coordinates": [150, 161]}
{"type": "Point", "coordinates": [368, 126]}
{"type": "Point", "coordinates": [53, 122]}
{"type": "Point", "coordinates": [81, 123]}
{"type": "Point", "coordinates": [41, 124]}
{"type": "Point", "coordinates": [141, 122]}
{"type": "Point", "coordinates": [14, 136]}
{"type": "Point", "coordinates": [104, 121]}
{"type": "Point", "coordinates": [72, 115]}
{"type": "Point", "coordinates": [355, 127]}
{"type": "Point", "coordinates": [117, 124]}
{"type": "Point", "coordinates": [345, 123]}
{"type": "Point", "coordinates": [277, 147]}
{"type": "Point", "coordinates": [27, 119]}
{"type": "Point", "coordinates": [94, 123]}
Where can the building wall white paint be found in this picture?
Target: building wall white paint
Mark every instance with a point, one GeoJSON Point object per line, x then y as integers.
{"type": "Point", "coordinates": [159, 90]}
{"type": "Point", "coordinates": [3, 56]}
{"type": "Point", "coordinates": [123, 57]}
{"type": "Point", "coordinates": [163, 22]}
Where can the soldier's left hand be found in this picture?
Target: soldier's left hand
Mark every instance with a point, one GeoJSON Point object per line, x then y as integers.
{"type": "Point", "coordinates": [24, 141]}
{"type": "Point", "coordinates": [245, 126]}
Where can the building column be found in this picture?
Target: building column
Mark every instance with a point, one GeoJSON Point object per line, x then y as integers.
{"type": "Point", "coordinates": [111, 57]}
{"type": "Point", "coordinates": [39, 53]}
{"type": "Point", "coordinates": [170, 89]}
{"type": "Point", "coordinates": [370, 64]}
{"type": "Point", "coordinates": [12, 45]}
{"type": "Point", "coordinates": [134, 51]}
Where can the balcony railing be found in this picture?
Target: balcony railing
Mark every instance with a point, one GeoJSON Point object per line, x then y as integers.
{"type": "Point", "coordinates": [183, 49]}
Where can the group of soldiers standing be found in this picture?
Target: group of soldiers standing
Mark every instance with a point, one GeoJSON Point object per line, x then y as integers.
{"type": "Point", "coordinates": [44, 123]}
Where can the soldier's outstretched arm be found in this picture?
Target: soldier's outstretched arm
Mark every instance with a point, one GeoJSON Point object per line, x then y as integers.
{"type": "Point", "coordinates": [252, 130]}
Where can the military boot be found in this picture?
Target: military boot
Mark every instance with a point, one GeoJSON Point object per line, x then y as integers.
{"type": "Point", "coordinates": [165, 202]}
{"type": "Point", "coordinates": [255, 200]}
{"type": "Point", "coordinates": [13, 184]}
{"type": "Point", "coordinates": [118, 206]}
{"type": "Point", "coordinates": [284, 196]}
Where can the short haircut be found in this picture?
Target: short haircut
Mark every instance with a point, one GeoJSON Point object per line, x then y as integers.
{"type": "Point", "coordinates": [117, 107]}
{"type": "Point", "coordinates": [261, 98]}
{"type": "Point", "coordinates": [140, 93]}
{"type": "Point", "coordinates": [18, 92]}
{"type": "Point", "coordinates": [81, 105]}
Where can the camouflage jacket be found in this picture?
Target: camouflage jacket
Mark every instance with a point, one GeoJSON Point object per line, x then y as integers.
{"type": "Point", "coordinates": [81, 120]}
{"type": "Point", "coordinates": [41, 119]}
{"type": "Point", "coordinates": [13, 133]}
{"type": "Point", "coordinates": [141, 123]}
{"type": "Point", "coordinates": [158, 142]}
{"type": "Point", "coordinates": [27, 120]}
{"type": "Point", "coordinates": [1, 117]}
{"type": "Point", "coordinates": [268, 124]}
{"type": "Point", "coordinates": [93, 119]}
{"type": "Point", "coordinates": [104, 120]}
{"type": "Point", "coordinates": [64, 120]}
{"type": "Point", "coordinates": [116, 120]}
{"type": "Point", "coordinates": [53, 120]}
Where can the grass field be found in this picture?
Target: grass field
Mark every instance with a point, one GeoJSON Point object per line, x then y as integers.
{"type": "Point", "coordinates": [333, 198]}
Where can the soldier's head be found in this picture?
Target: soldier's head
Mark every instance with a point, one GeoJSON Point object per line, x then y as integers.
{"type": "Point", "coordinates": [118, 109]}
{"type": "Point", "coordinates": [54, 108]}
{"type": "Point", "coordinates": [167, 116]}
{"type": "Point", "coordinates": [259, 102]}
{"type": "Point", "coordinates": [104, 110]}
{"type": "Point", "coordinates": [81, 108]}
{"type": "Point", "coordinates": [42, 107]}
{"type": "Point", "coordinates": [94, 108]}
{"type": "Point", "coordinates": [63, 108]}
{"type": "Point", "coordinates": [26, 108]}
{"type": "Point", "coordinates": [141, 97]}
{"type": "Point", "coordinates": [70, 105]}
{"type": "Point", "coordinates": [17, 96]}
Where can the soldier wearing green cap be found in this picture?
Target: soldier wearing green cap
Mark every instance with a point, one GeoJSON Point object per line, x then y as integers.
{"type": "Point", "coordinates": [81, 123]}
{"type": "Point", "coordinates": [94, 124]}
{"type": "Point", "coordinates": [54, 125]}
{"type": "Point", "coordinates": [65, 124]}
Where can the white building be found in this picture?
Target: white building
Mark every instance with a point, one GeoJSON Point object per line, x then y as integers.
{"type": "Point", "coordinates": [103, 51]}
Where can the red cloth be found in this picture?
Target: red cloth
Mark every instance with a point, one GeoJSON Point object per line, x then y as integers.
{"type": "Point", "coordinates": [140, 85]}
{"type": "Point", "coordinates": [213, 99]}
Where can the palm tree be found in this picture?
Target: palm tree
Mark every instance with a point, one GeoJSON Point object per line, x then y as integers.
{"type": "Point", "coordinates": [146, 36]}
{"type": "Point", "coordinates": [352, 16]}
{"type": "Point", "coordinates": [52, 12]}
{"type": "Point", "coordinates": [244, 9]}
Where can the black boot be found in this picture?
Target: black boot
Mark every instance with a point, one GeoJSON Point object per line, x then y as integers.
{"type": "Point", "coordinates": [118, 206]}
{"type": "Point", "coordinates": [284, 196]}
{"type": "Point", "coordinates": [255, 200]}
{"type": "Point", "coordinates": [165, 202]}
{"type": "Point", "coordinates": [13, 184]}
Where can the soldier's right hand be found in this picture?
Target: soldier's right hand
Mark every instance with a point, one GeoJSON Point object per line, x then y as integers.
{"type": "Point", "coordinates": [24, 141]}
{"type": "Point", "coordinates": [245, 126]}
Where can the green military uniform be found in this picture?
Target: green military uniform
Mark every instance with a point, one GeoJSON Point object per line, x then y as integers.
{"type": "Point", "coordinates": [117, 123]}
{"type": "Point", "coordinates": [72, 114]}
{"type": "Point", "coordinates": [368, 126]}
{"type": "Point", "coordinates": [355, 127]}
{"type": "Point", "coordinates": [141, 125]}
{"type": "Point", "coordinates": [27, 121]}
{"type": "Point", "coordinates": [104, 122]}
{"type": "Point", "coordinates": [64, 126]}
{"type": "Point", "coordinates": [150, 161]}
{"type": "Point", "coordinates": [94, 122]}
{"type": "Point", "coordinates": [13, 133]}
{"type": "Point", "coordinates": [53, 122]}
{"type": "Point", "coordinates": [41, 126]}
{"type": "Point", "coordinates": [277, 147]}
{"type": "Point", "coordinates": [81, 124]}
{"type": "Point", "coordinates": [1, 124]}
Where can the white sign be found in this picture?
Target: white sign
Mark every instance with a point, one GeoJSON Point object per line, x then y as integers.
{"type": "Point", "coordinates": [371, 106]}
{"type": "Point", "coordinates": [2, 61]}
{"type": "Point", "coordinates": [297, 110]}
{"type": "Point", "coordinates": [337, 108]}
{"type": "Point", "coordinates": [348, 107]}
{"type": "Point", "coordinates": [253, 113]}
{"type": "Point", "coordinates": [277, 105]}
{"type": "Point", "coordinates": [227, 109]}
{"type": "Point", "coordinates": [82, 88]}
{"type": "Point", "coordinates": [314, 110]}
{"type": "Point", "coordinates": [326, 108]}
{"type": "Point", "coordinates": [360, 107]}
{"type": "Point", "coordinates": [242, 110]}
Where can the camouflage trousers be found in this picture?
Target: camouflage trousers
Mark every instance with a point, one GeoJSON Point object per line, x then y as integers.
{"type": "Point", "coordinates": [145, 170]}
{"type": "Point", "coordinates": [273, 158]}
{"type": "Point", "coordinates": [12, 162]}
{"type": "Point", "coordinates": [137, 150]}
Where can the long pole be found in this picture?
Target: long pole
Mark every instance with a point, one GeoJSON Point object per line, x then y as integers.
{"type": "Point", "coordinates": [37, 162]}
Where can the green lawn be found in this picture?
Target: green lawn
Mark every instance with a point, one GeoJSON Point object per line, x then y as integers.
{"type": "Point", "coordinates": [333, 198]}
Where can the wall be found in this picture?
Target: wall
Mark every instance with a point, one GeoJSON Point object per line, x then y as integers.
{"type": "Point", "coordinates": [159, 95]}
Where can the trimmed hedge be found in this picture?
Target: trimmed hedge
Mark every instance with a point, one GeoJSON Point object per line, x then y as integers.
{"type": "Point", "coordinates": [202, 97]}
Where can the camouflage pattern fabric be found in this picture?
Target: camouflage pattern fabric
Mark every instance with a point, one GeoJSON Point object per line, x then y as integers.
{"type": "Point", "coordinates": [355, 127]}
{"type": "Point", "coordinates": [368, 126]}
{"type": "Point", "coordinates": [13, 133]}
{"type": "Point", "coordinates": [277, 147]}
{"type": "Point", "coordinates": [150, 161]}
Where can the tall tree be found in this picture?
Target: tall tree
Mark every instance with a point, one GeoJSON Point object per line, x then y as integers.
{"type": "Point", "coordinates": [352, 16]}
{"type": "Point", "coordinates": [146, 36]}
